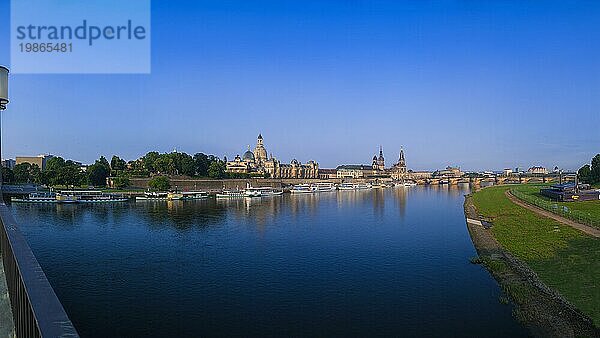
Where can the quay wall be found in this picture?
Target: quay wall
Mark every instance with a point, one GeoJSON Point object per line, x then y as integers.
{"type": "Point", "coordinates": [190, 184]}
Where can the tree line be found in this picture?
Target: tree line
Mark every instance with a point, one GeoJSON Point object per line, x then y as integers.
{"type": "Point", "coordinates": [590, 173]}
{"type": "Point", "coordinates": [61, 172]}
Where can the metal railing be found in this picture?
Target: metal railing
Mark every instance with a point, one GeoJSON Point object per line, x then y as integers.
{"type": "Point", "coordinates": [555, 208]}
{"type": "Point", "coordinates": [37, 312]}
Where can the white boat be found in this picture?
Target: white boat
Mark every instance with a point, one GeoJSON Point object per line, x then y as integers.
{"type": "Point", "coordinates": [323, 187]}
{"type": "Point", "coordinates": [153, 196]}
{"type": "Point", "coordinates": [36, 197]}
{"type": "Point", "coordinates": [363, 186]}
{"type": "Point", "coordinates": [174, 196]}
{"type": "Point", "coordinates": [354, 186]}
{"type": "Point", "coordinates": [302, 189]}
{"type": "Point", "coordinates": [346, 186]}
{"type": "Point", "coordinates": [232, 194]}
{"type": "Point", "coordinates": [194, 195]}
{"type": "Point", "coordinates": [90, 196]}
{"type": "Point", "coordinates": [268, 191]}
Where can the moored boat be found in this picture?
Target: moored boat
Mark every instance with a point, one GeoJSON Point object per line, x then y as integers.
{"type": "Point", "coordinates": [231, 194]}
{"type": "Point", "coordinates": [354, 186]}
{"type": "Point", "coordinates": [346, 186]}
{"type": "Point", "coordinates": [323, 187]}
{"type": "Point", "coordinates": [252, 192]}
{"type": "Point", "coordinates": [89, 196]}
{"type": "Point", "coordinates": [194, 195]}
{"type": "Point", "coordinates": [153, 196]}
{"type": "Point", "coordinates": [174, 196]}
{"type": "Point", "coordinates": [269, 191]}
{"type": "Point", "coordinates": [36, 197]}
{"type": "Point", "coordinates": [302, 189]}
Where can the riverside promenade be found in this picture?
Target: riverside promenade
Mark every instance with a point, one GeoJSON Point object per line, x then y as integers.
{"type": "Point", "coordinates": [581, 227]}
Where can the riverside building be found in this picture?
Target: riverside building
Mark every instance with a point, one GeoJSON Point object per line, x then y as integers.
{"type": "Point", "coordinates": [256, 162]}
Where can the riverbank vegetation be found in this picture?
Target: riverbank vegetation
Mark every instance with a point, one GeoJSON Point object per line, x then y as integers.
{"type": "Point", "coordinates": [564, 258]}
{"type": "Point", "coordinates": [61, 172]}
{"type": "Point", "coordinates": [590, 173]}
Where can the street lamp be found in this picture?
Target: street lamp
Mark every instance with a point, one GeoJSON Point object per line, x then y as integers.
{"type": "Point", "coordinates": [3, 103]}
{"type": "Point", "coordinates": [3, 87]}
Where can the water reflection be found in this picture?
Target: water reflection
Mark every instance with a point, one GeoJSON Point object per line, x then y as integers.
{"type": "Point", "coordinates": [184, 215]}
{"type": "Point", "coordinates": [347, 263]}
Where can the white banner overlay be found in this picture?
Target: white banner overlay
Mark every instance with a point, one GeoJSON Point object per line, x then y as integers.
{"type": "Point", "coordinates": [80, 37]}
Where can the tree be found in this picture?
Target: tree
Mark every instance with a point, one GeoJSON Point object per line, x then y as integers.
{"type": "Point", "coordinates": [149, 161]}
{"type": "Point", "coordinates": [54, 165]}
{"type": "Point", "coordinates": [585, 174]}
{"type": "Point", "coordinates": [120, 182]}
{"type": "Point", "coordinates": [8, 175]}
{"type": "Point", "coordinates": [202, 162]}
{"type": "Point", "coordinates": [164, 164]}
{"type": "Point", "coordinates": [216, 169]}
{"type": "Point", "coordinates": [187, 165]}
{"type": "Point", "coordinates": [26, 173]}
{"type": "Point", "coordinates": [159, 183]}
{"type": "Point", "coordinates": [97, 174]}
{"type": "Point", "coordinates": [71, 174]}
{"type": "Point", "coordinates": [117, 164]}
{"type": "Point", "coordinates": [595, 169]}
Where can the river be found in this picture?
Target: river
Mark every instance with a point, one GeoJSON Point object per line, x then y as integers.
{"type": "Point", "coordinates": [345, 263]}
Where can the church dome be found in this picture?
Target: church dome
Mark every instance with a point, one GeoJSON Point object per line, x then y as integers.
{"type": "Point", "coordinates": [248, 156]}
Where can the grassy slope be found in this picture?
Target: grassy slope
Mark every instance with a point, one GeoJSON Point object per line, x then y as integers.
{"type": "Point", "coordinates": [564, 258]}
{"type": "Point", "coordinates": [589, 207]}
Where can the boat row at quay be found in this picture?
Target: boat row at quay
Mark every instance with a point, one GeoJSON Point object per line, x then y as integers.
{"type": "Point", "coordinates": [97, 196]}
{"type": "Point", "coordinates": [327, 186]}
{"type": "Point", "coordinates": [70, 197]}
{"type": "Point", "coordinates": [313, 188]}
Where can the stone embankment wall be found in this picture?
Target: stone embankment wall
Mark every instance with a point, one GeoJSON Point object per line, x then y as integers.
{"type": "Point", "coordinates": [190, 184]}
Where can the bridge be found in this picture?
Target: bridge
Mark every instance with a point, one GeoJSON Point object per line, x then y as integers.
{"type": "Point", "coordinates": [36, 311]}
{"type": "Point", "coordinates": [511, 179]}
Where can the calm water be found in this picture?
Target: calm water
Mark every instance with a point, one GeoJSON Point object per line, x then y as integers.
{"type": "Point", "coordinates": [393, 262]}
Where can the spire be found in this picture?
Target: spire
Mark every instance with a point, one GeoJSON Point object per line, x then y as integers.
{"type": "Point", "coordinates": [260, 136]}
{"type": "Point", "coordinates": [401, 160]}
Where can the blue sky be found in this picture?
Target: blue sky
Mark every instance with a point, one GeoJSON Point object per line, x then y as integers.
{"type": "Point", "coordinates": [482, 85]}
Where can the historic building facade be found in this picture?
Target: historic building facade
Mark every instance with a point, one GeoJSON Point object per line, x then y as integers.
{"type": "Point", "coordinates": [398, 171]}
{"type": "Point", "coordinates": [257, 162]}
{"type": "Point", "coordinates": [376, 169]}
{"type": "Point", "coordinates": [379, 162]}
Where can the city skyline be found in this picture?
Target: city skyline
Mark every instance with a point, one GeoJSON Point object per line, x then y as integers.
{"type": "Point", "coordinates": [389, 162]}
{"type": "Point", "coordinates": [331, 83]}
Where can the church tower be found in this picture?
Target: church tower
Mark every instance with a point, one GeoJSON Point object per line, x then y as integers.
{"type": "Point", "coordinates": [381, 160]}
{"type": "Point", "coordinates": [401, 162]}
{"type": "Point", "coordinates": [260, 153]}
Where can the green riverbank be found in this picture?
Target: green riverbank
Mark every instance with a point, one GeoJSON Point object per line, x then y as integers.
{"type": "Point", "coordinates": [563, 258]}
{"type": "Point", "coordinates": [589, 210]}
